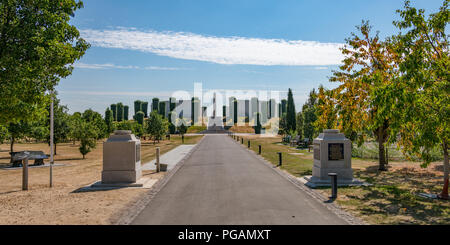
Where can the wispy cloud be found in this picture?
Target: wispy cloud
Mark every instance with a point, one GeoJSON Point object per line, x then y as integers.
{"type": "Point", "coordinates": [112, 66]}
{"type": "Point", "coordinates": [222, 50]}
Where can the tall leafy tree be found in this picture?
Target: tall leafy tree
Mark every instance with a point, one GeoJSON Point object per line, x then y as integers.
{"type": "Point", "coordinates": [363, 102]}
{"type": "Point", "coordinates": [88, 137]}
{"type": "Point", "coordinates": [157, 126]}
{"type": "Point", "coordinates": [38, 48]}
{"type": "Point", "coordinates": [97, 121]}
{"type": "Point", "coordinates": [299, 120]}
{"type": "Point", "coordinates": [4, 134]}
{"type": "Point", "coordinates": [310, 116]}
{"type": "Point", "coordinates": [326, 110]}
{"type": "Point", "coordinates": [61, 123]}
{"type": "Point", "coordinates": [18, 130]}
{"type": "Point", "coordinates": [291, 124]}
{"type": "Point", "coordinates": [423, 104]}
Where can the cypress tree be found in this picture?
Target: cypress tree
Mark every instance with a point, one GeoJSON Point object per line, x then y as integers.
{"type": "Point", "coordinates": [114, 111]}
{"type": "Point", "coordinates": [162, 109]}
{"type": "Point", "coordinates": [290, 112]}
{"type": "Point", "coordinates": [137, 107]}
{"type": "Point", "coordinates": [258, 123]}
{"type": "Point", "coordinates": [283, 106]}
{"type": "Point", "coordinates": [144, 108]}
{"type": "Point", "coordinates": [155, 104]}
{"type": "Point", "coordinates": [125, 112]}
{"type": "Point", "coordinates": [140, 117]}
{"type": "Point", "coordinates": [119, 112]}
{"type": "Point", "coordinates": [109, 120]}
{"type": "Point", "coordinates": [235, 116]}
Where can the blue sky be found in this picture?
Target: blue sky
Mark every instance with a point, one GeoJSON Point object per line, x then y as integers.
{"type": "Point", "coordinates": [143, 49]}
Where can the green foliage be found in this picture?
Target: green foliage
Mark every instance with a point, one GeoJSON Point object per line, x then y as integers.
{"type": "Point", "coordinates": [137, 106]}
{"type": "Point", "coordinates": [120, 114]}
{"type": "Point", "coordinates": [157, 126]}
{"type": "Point", "coordinates": [109, 121]}
{"type": "Point", "coordinates": [299, 121]}
{"type": "Point", "coordinates": [283, 129]}
{"type": "Point", "coordinates": [38, 48]}
{"type": "Point", "coordinates": [258, 123]}
{"type": "Point", "coordinates": [182, 129]}
{"type": "Point", "coordinates": [421, 112]}
{"type": "Point", "coordinates": [290, 113]}
{"type": "Point", "coordinates": [309, 116]}
{"type": "Point", "coordinates": [140, 117]}
{"type": "Point", "coordinates": [135, 128]}
{"type": "Point", "coordinates": [145, 108]}
{"type": "Point", "coordinates": [155, 104]}
{"type": "Point", "coordinates": [4, 134]}
{"type": "Point", "coordinates": [88, 137]}
{"type": "Point", "coordinates": [18, 130]}
{"type": "Point", "coordinates": [114, 111]}
{"type": "Point", "coordinates": [95, 118]}
{"type": "Point", "coordinates": [162, 109]}
{"type": "Point", "coordinates": [125, 113]}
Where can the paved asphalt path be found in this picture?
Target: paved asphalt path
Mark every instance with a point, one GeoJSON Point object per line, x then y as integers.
{"type": "Point", "coordinates": [221, 183]}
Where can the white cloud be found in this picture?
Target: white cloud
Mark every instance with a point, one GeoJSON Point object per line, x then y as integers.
{"type": "Point", "coordinates": [112, 66]}
{"type": "Point", "coordinates": [222, 50]}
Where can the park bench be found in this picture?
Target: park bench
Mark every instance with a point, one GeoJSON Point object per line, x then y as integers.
{"type": "Point", "coordinates": [18, 157]}
{"type": "Point", "coordinates": [295, 141]}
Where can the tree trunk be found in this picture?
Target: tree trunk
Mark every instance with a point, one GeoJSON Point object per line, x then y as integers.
{"type": "Point", "coordinates": [387, 154]}
{"type": "Point", "coordinates": [84, 156]}
{"type": "Point", "coordinates": [12, 145]}
{"type": "Point", "coordinates": [381, 154]}
{"type": "Point", "coordinates": [444, 194]}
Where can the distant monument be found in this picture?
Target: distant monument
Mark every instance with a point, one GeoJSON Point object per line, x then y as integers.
{"type": "Point", "coordinates": [332, 154]}
{"type": "Point", "coordinates": [121, 158]}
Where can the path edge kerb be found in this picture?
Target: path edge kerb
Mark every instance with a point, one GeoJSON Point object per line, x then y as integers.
{"type": "Point", "coordinates": [350, 219]}
{"type": "Point", "coordinates": [127, 215]}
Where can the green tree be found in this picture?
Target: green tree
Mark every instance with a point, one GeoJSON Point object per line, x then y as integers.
{"type": "Point", "coordinates": [325, 110]}
{"type": "Point", "coordinates": [17, 131]}
{"type": "Point", "coordinates": [155, 104]}
{"type": "Point", "coordinates": [137, 106]}
{"type": "Point", "coordinates": [290, 113]}
{"type": "Point", "coordinates": [140, 117]}
{"type": "Point", "coordinates": [283, 127]}
{"type": "Point", "coordinates": [364, 104]}
{"type": "Point", "coordinates": [157, 126]}
{"type": "Point", "coordinates": [120, 112]}
{"type": "Point", "coordinates": [4, 134]}
{"type": "Point", "coordinates": [97, 121]}
{"type": "Point", "coordinates": [422, 106]}
{"type": "Point", "coordinates": [145, 108]}
{"type": "Point", "coordinates": [309, 116]}
{"type": "Point", "coordinates": [114, 112]}
{"type": "Point", "coordinates": [61, 124]}
{"type": "Point", "coordinates": [125, 112]}
{"type": "Point", "coordinates": [75, 121]}
{"type": "Point", "coordinates": [88, 137]}
{"type": "Point", "coordinates": [38, 48]}
{"type": "Point", "coordinates": [109, 121]}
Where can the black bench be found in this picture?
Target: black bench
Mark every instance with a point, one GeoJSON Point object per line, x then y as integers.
{"type": "Point", "coordinates": [18, 157]}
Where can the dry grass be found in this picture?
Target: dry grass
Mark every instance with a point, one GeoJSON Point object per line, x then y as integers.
{"type": "Point", "coordinates": [242, 129]}
{"type": "Point", "coordinates": [62, 204]}
{"type": "Point", "coordinates": [392, 197]}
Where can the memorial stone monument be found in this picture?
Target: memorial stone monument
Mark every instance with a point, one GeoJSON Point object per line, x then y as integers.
{"type": "Point", "coordinates": [121, 158]}
{"type": "Point", "coordinates": [332, 154]}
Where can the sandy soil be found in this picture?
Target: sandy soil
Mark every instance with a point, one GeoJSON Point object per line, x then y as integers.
{"type": "Point", "coordinates": [62, 204]}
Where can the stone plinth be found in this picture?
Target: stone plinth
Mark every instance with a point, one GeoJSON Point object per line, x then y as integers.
{"type": "Point", "coordinates": [332, 154]}
{"type": "Point", "coordinates": [121, 158]}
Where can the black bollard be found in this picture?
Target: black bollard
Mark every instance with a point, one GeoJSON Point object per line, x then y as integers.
{"type": "Point", "coordinates": [259, 149]}
{"type": "Point", "coordinates": [248, 144]}
{"type": "Point", "coordinates": [182, 138]}
{"type": "Point", "coordinates": [242, 140]}
{"type": "Point", "coordinates": [280, 159]}
{"type": "Point", "coordinates": [334, 186]}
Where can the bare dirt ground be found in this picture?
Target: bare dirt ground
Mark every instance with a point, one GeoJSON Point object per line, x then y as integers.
{"type": "Point", "coordinates": [62, 204]}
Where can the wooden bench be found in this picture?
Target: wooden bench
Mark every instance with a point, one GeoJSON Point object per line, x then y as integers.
{"type": "Point", "coordinates": [18, 157]}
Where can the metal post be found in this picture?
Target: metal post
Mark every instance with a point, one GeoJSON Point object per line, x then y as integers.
{"type": "Point", "coordinates": [259, 150]}
{"type": "Point", "coordinates": [25, 174]}
{"type": "Point", "coordinates": [157, 159]}
{"type": "Point", "coordinates": [248, 144]}
{"type": "Point", "coordinates": [280, 159]}
{"type": "Point", "coordinates": [182, 138]}
{"type": "Point", "coordinates": [242, 140]}
{"type": "Point", "coordinates": [334, 186]}
{"type": "Point", "coordinates": [52, 149]}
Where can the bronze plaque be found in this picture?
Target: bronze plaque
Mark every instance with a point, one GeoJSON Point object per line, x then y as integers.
{"type": "Point", "coordinates": [335, 152]}
{"type": "Point", "coordinates": [317, 151]}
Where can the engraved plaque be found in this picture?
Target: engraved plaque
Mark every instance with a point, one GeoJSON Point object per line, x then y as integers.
{"type": "Point", "coordinates": [335, 152]}
{"type": "Point", "coordinates": [138, 152]}
{"type": "Point", "coordinates": [317, 151]}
